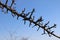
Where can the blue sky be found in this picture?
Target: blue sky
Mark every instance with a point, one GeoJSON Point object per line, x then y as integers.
{"type": "Point", "coordinates": [49, 9]}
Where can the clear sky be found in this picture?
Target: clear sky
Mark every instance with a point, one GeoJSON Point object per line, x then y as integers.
{"type": "Point", "coordinates": [49, 9]}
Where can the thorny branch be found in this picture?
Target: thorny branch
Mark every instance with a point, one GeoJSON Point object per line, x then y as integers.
{"type": "Point", "coordinates": [29, 17]}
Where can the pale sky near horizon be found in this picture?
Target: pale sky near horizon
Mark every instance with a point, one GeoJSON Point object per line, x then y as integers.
{"type": "Point", "coordinates": [49, 9]}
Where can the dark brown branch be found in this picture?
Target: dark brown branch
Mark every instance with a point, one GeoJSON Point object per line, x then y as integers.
{"type": "Point", "coordinates": [30, 19]}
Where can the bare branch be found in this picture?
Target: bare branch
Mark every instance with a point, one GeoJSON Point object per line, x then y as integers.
{"type": "Point", "coordinates": [30, 19]}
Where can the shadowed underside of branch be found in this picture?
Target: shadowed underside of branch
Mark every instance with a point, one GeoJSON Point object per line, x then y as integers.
{"type": "Point", "coordinates": [29, 17]}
